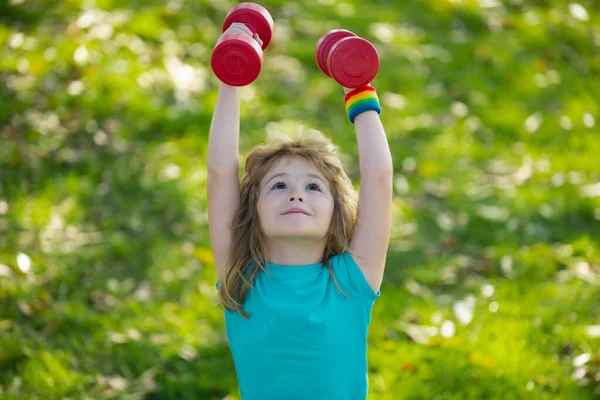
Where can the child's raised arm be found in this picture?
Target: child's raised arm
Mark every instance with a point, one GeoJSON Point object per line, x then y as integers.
{"type": "Point", "coordinates": [224, 132]}
{"type": "Point", "coordinates": [372, 233]}
{"type": "Point", "coordinates": [223, 187]}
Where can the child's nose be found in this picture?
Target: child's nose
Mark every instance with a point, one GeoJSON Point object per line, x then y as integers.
{"type": "Point", "coordinates": [296, 194]}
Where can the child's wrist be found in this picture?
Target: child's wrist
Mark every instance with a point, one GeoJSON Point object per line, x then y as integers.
{"type": "Point", "coordinates": [360, 100]}
{"type": "Point", "coordinates": [229, 87]}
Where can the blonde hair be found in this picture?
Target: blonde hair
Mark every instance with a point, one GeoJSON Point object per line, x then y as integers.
{"type": "Point", "coordinates": [249, 240]}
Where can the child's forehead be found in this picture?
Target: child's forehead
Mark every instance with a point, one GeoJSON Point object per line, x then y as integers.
{"type": "Point", "coordinates": [293, 167]}
{"type": "Point", "coordinates": [294, 163]}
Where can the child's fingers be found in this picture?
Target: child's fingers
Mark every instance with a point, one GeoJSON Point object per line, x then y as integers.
{"type": "Point", "coordinates": [257, 38]}
{"type": "Point", "coordinates": [238, 26]}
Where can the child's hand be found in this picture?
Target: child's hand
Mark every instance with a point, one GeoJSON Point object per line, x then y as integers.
{"type": "Point", "coordinates": [238, 27]}
{"type": "Point", "coordinates": [348, 90]}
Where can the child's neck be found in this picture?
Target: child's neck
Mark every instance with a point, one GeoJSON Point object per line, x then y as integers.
{"type": "Point", "coordinates": [295, 252]}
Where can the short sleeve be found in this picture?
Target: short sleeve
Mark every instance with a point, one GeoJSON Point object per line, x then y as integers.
{"type": "Point", "coordinates": [217, 285]}
{"type": "Point", "coordinates": [350, 275]}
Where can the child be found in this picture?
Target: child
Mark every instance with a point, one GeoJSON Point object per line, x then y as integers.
{"type": "Point", "coordinates": [299, 258]}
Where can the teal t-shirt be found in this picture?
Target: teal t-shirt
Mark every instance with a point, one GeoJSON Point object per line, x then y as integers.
{"type": "Point", "coordinates": [304, 340]}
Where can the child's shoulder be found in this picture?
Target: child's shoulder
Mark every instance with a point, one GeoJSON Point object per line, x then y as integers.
{"type": "Point", "coordinates": [350, 275]}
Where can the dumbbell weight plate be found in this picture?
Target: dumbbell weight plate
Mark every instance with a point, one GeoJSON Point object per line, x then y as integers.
{"type": "Point", "coordinates": [255, 17]}
{"type": "Point", "coordinates": [353, 62]}
{"type": "Point", "coordinates": [325, 44]}
{"type": "Point", "coordinates": [237, 59]}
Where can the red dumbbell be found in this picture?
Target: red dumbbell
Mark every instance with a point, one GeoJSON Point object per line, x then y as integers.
{"type": "Point", "coordinates": [237, 58]}
{"type": "Point", "coordinates": [350, 60]}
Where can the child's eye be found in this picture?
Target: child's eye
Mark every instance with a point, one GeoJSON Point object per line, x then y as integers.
{"type": "Point", "coordinates": [315, 186]}
{"type": "Point", "coordinates": [281, 185]}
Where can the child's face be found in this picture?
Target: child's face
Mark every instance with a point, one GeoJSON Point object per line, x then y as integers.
{"type": "Point", "coordinates": [294, 183]}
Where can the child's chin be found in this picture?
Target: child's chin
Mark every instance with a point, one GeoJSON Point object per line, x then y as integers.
{"type": "Point", "coordinates": [298, 233]}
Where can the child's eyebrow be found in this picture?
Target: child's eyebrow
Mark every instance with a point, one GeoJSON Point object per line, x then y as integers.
{"type": "Point", "coordinates": [284, 174]}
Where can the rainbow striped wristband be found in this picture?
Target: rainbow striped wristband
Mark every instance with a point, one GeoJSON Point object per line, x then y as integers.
{"type": "Point", "coordinates": [360, 100]}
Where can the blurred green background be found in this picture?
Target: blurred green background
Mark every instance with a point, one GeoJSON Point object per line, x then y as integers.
{"type": "Point", "coordinates": [492, 286]}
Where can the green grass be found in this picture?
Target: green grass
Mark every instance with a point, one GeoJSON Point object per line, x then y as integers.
{"type": "Point", "coordinates": [106, 274]}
